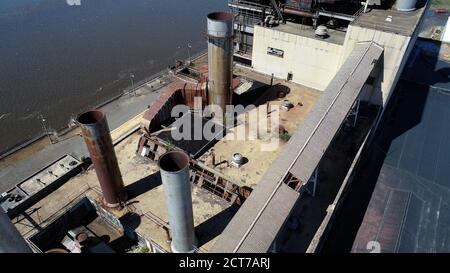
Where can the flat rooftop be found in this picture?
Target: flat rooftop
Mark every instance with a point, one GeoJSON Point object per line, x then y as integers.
{"type": "Point", "coordinates": [393, 21]}
{"type": "Point", "coordinates": [335, 36]}
{"type": "Point", "coordinates": [146, 199]}
{"type": "Point", "coordinates": [259, 160]}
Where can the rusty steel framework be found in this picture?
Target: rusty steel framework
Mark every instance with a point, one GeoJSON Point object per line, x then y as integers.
{"type": "Point", "coordinates": [155, 148]}
{"type": "Point", "coordinates": [253, 12]}
{"type": "Point", "coordinates": [201, 175]}
{"type": "Point", "coordinates": [293, 182]}
{"type": "Point", "coordinates": [247, 15]}
{"type": "Point", "coordinates": [95, 130]}
{"type": "Point", "coordinates": [218, 184]}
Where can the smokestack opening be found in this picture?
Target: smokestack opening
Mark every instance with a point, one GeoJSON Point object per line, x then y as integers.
{"type": "Point", "coordinates": [173, 161]}
{"type": "Point", "coordinates": [91, 117]}
{"type": "Point", "coordinates": [221, 16]}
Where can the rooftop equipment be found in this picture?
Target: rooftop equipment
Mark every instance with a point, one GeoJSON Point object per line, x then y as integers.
{"type": "Point", "coordinates": [237, 160]}
{"type": "Point", "coordinates": [321, 31]}
{"type": "Point", "coordinates": [95, 130]}
{"type": "Point", "coordinates": [287, 105]}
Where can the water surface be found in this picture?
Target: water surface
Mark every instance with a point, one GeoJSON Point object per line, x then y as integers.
{"type": "Point", "coordinates": [58, 60]}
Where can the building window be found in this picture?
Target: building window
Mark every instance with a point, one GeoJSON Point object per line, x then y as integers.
{"type": "Point", "coordinates": [275, 52]}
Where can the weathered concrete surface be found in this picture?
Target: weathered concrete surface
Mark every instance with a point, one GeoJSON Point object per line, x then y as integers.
{"type": "Point", "coordinates": [146, 199]}
{"type": "Point", "coordinates": [259, 159]}
{"type": "Point", "coordinates": [312, 61]}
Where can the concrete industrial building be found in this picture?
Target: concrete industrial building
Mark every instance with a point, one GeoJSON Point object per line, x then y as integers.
{"type": "Point", "coordinates": [308, 60]}
{"type": "Point", "coordinates": [205, 195]}
{"type": "Point", "coordinates": [313, 61]}
{"type": "Point", "coordinates": [392, 32]}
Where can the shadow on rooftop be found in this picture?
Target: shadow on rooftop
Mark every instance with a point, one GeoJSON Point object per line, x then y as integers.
{"type": "Point", "coordinates": [214, 226]}
{"type": "Point", "coordinates": [404, 111]}
{"type": "Point", "coordinates": [143, 185]}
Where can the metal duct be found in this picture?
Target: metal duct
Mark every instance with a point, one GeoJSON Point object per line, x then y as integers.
{"type": "Point", "coordinates": [95, 130]}
{"type": "Point", "coordinates": [220, 62]}
{"type": "Point", "coordinates": [10, 239]}
{"type": "Point", "coordinates": [174, 168]}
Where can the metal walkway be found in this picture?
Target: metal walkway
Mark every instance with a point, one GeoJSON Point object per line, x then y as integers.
{"type": "Point", "coordinates": [258, 221]}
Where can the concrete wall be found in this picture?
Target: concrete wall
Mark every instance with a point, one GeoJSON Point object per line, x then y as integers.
{"type": "Point", "coordinates": [312, 62]}
{"type": "Point", "coordinates": [395, 54]}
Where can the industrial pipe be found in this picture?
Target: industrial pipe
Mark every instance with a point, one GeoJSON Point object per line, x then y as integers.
{"type": "Point", "coordinates": [95, 130]}
{"type": "Point", "coordinates": [301, 13]}
{"type": "Point", "coordinates": [174, 169]}
{"type": "Point", "coordinates": [10, 239]}
{"type": "Point", "coordinates": [220, 62]}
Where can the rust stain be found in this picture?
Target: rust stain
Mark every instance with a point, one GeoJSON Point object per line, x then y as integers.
{"type": "Point", "coordinates": [99, 143]}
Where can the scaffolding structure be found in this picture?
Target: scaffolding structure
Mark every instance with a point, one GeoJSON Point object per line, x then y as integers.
{"type": "Point", "coordinates": [247, 14]}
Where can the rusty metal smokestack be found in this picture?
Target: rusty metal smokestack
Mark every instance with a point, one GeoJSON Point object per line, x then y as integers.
{"type": "Point", "coordinates": [95, 130]}
{"type": "Point", "coordinates": [220, 61]}
{"type": "Point", "coordinates": [174, 168]}
{"type": "Point", "coordinates": [10, 239]}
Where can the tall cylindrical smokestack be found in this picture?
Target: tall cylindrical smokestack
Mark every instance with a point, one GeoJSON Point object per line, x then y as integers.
{"type": "Point", "coordinates": [10, 239]}
{"type": "Point", "coordinates": [220, 61]}
{"type": "Point", "coordinates": [174, 168]}
{"type": "Point", "coordinates": [95, 130]}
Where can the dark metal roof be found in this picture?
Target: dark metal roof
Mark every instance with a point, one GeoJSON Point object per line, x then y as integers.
{"type": "Point", "coordinates": [410, 207]}
{"type": "Point", "coordinates": [409, 210]}
{"type": "Point", "coordinates": [258, 221]}
{"type": "Point", "coordinates": [193, 143]}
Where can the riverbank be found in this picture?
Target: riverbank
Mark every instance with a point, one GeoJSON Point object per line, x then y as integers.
{"type": "Point", "coordinates": [44, 139]}
{"type": "Point", "coordinates": [123, 114]}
